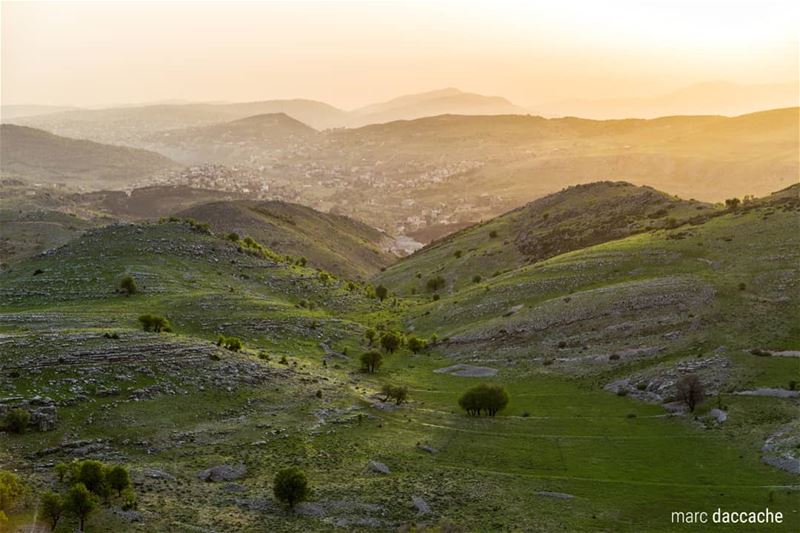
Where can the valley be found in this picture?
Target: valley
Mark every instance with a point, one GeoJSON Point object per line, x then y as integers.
{"type": "Point", "coordinates": [588, 336]}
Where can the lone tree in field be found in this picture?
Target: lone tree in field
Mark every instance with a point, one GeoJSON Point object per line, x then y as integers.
{"type": "Point", "coordinates": [371, 360]}
{"type": "Point", "coordinates": [488, 398]}
{"type": "Point", "coordinates": [381, 292]}
{"type": "Point", "coordinates": [391, 341]}
{"type": "Point", "coordinates": [80, 503]}
{"type": "Point", "coordinates": [118, 478]}
{"type": "Point", "coordinates": [291, 486]}
{"type": "Point", "coordinates": [690, 391]}
{"type": "Point", "coordinates": [52, 507]}
{"type": "Point", "coordinates": [155, 323]}
{"type": "Point", "coordinates": [128, 285]}
{"type": "Point", "coordinates": [17, 420]}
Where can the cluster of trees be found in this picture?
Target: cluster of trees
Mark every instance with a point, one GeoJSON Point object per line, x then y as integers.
{"type": "Point", "coordinates": [90, 481]}
{"type": "Point", "coordinates": [390, 341]}
{"type": "Point", "coordinates": [229, 343]}
{"type": "Point", "coordinates": [155, 323]}
{"type": "Point", "coordinates": [484, 398]}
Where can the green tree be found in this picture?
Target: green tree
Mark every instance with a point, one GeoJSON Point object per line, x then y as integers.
{"type": "Point", "coordinates": [371, 360]}
{"type": "Point", "coordinates": [11, 489]}
{"type": "Point", "coordinates": [128, 285]}
{"type": "Point", "coordinates": [291, 486]}
{"type": "Point", "coordinates": [118, 478]}
{"type": "Point", "coordinates": [17, 420]}
{"type": "Point", "coordinates": [62, 469]}
{"type": "Point", "coordinates": [391, 341]}
{"type": "Point", "coordinates": [488, 398]}
{"type": "Point", "coordinates": [416, 344]}
{"type": "Point", "coordinates": [155, 323]}
{"type": "Point", "coordinates": [80, 503]}
{"type": "Point", "coordinates": [233, 236]}
{"type": "Point", "coordinates": [381, 292]}
{"type": "Point", "coordinates": [370, 334]}
{"type": "Point", "coordinates": [92, 474]}
{"type": "Point", "coordinates": [52, 507]}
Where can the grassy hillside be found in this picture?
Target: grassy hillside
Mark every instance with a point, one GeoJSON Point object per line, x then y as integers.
{"type": "Point", "coordinates": [568, 220]}
{"type": "Point", "coordinates": [570, 452]}
{"type": "Point", "coordinates": [39, 155]}
{"type": "Point", "coordinates": [332, 242]}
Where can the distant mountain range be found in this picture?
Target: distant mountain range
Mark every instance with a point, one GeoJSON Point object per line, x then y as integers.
{"type": "Point", "coordinates": [711, 98]}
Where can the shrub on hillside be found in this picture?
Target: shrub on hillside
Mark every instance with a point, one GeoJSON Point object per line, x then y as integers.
{"type": "Point", "coordinates": [476, 279]}
{"type": "Point", "coordinates": [416, 344]}
{"type": "Point", "coordinates": [118, 478]}
{"type": "Point", "coordinates": [493, 234]}
{"type": "Point", "coordinates": [229, 343]}
{"type": "Point", "coordinates": [371, 360]}
{"type": "Point", "coordinates": [381, 292]}
{"type": "Point", "coordinates": [398, 393]}
{"type": "Point", "coordinates": [128, 285]}
{"type": "Point", "coordinates": [484, 398]}
{"type": "Point", "coordinates": [17, 420]}
{"type": "Point", "coordinates": [391, 341]}
{"type": "Point", "coordinates": [291, 486]}
{"type": "Point", "coordinates": [155, 323]}
{"type": "Point", "coordinates": [436, 283]}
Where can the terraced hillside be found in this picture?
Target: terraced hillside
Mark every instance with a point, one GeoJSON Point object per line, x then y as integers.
{"type": "Point", "coordinates": [337, 243]}
{"type": "Point", "coordinates": [205, 429]}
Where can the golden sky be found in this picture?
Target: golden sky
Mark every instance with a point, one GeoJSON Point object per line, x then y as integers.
{"type": "Point", "coordinates": [354, 53]}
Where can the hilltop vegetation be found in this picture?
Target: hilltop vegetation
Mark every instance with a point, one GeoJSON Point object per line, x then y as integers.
{"type": "Point", "coordinates": [333, 242]}
{"type": "Point", "coordinates": [579, 348]}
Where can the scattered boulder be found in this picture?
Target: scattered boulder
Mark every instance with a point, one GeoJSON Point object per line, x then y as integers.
{"type": "Point", "coordinates": [421, 505]}
{"type": "Point", "coordinates": [429, 449]}
{"type": "Point", "coordinates": [379, 467]}
{"type": "Point", "coordinates": [223, 473]}
{"type": "Point", "coordinates": [719, 415]}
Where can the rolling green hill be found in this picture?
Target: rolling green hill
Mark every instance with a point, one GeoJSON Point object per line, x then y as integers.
{"type": "Point", "coordinates": [333, 242]}
{"type": "Point", "coordinates": [588, 442]}
{"type": "Point", "coordinates": [571, 219]}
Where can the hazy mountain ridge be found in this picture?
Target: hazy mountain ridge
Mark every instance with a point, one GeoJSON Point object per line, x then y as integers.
{"type": "Point", "coordinates": [42, 155]}
{"type": "Point", "coordinates": [719, 98]}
